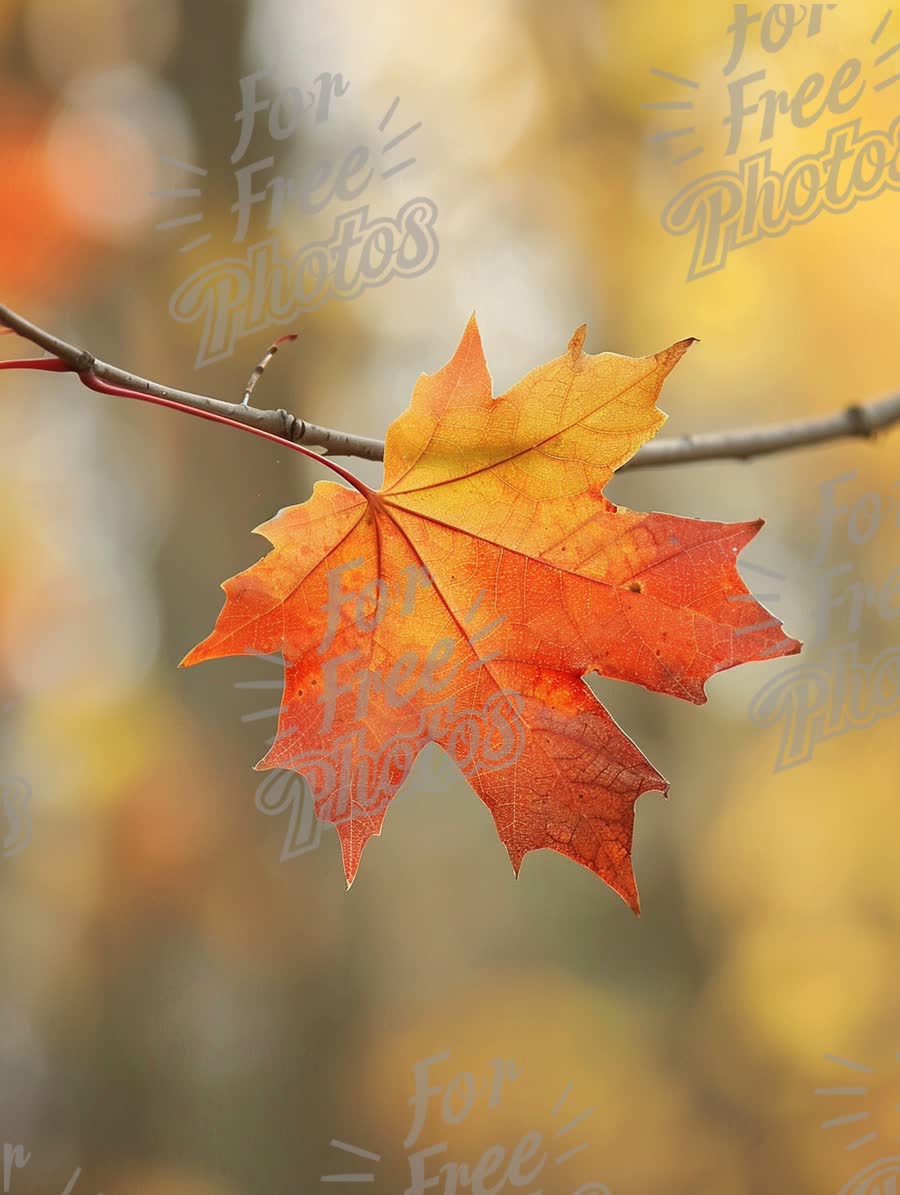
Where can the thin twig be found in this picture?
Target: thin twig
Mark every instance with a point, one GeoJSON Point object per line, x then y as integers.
{"type": "Point", "coordinates": [259, 369]}
{"type": "Point", "coordinates": [864, 420]}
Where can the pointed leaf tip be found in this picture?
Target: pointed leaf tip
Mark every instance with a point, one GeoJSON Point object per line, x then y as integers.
{"type": "Point", "coordinates": [576, 344]}
{"type": "Point", "coordinates": [471, 337]}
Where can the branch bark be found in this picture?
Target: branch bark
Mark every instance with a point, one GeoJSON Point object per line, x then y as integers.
{"type": "Point", "coordinates": [857, 420]}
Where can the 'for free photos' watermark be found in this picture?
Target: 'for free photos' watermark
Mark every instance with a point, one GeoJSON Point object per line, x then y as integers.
{"type": "Point", "coordinates": [838, 690]}
{"type": "Point", "coordinates": [849, 1116]}
{"type": "Point", "coordinates": [728, 209]}
{"type": "Point", "coordinates": [238, 295]}
{"type": "Point", "coordinates": [15, 1157]}
{"type": "Point", "coordinates": [352, 774]}
{"type": "Point", "coordinates": [508, 1165]}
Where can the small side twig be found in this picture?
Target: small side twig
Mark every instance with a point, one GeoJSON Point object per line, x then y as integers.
{"type": "Point", "coordinates": [258, 371]}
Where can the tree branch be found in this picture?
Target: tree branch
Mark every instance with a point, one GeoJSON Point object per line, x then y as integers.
{"type": "Point", "coordinates": [859, 420]}
{"type": "Point", "coordinates": [280, 424]}
{"type": "Point", "coordinates": [864, 420]}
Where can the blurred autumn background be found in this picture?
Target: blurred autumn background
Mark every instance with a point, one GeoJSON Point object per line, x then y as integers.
{"type": "Point", "coordinates": [181, 1012]}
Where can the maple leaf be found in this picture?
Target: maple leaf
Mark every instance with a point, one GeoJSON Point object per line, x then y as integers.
{"type": "Point", "coordinates": [464, 602]}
